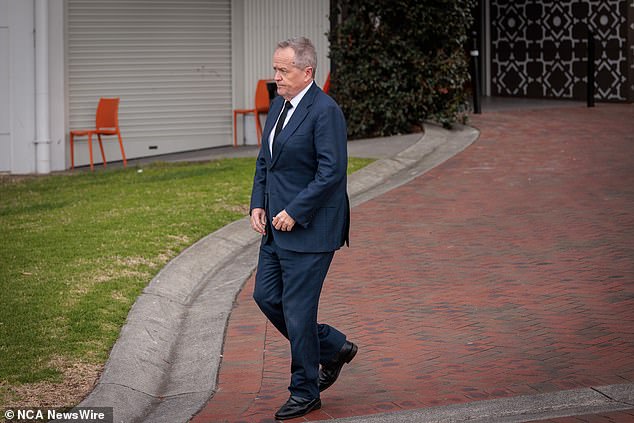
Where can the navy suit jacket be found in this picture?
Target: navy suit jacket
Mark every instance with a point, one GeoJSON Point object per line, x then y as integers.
{"type": "Point", "coordinates": [306, 175]}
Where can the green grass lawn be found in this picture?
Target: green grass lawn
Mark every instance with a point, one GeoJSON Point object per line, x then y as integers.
{"type": "Point", "coordinates": [77, 249]}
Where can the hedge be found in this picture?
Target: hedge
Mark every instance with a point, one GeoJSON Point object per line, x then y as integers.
{"type": "Point", "coordinates": [397, 63]}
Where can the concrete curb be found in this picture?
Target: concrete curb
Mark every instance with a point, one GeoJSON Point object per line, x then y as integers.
{"type": "Point", "coordinates": [436, 146]}
{"type": "Point", "coordinates": [574, 402]}
{"type": "Point", "coordinates": [164, 366]}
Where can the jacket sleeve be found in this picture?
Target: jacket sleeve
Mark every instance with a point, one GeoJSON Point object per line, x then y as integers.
{"type": "Point", "coordinates": [259, 182]}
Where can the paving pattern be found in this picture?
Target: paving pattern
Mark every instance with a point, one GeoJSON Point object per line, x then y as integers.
{"type": "Point", "coordinates": [508, 270]}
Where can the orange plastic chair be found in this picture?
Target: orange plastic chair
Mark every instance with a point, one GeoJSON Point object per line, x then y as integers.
{"type": "Point", "coordinates": [327, 84]}
{"type": "Point", "coordinates": [262, 103]}
{"type": "Point", "coordinates": [106, 123]}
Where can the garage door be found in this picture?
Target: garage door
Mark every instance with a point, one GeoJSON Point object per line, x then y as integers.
{"type": "Point", "coordinates": [168, 60]}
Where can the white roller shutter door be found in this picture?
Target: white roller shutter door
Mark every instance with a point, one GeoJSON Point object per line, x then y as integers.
{"type": "Point", "coordinates": [168, 60]}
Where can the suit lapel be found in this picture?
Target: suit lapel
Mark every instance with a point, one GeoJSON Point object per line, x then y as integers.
{"type": "Point", "coordinates": [274, 112]}
{"type": "Point", "coordinates": [296, 119]}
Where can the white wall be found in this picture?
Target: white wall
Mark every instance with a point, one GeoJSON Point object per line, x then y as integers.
{"type": "Point", "coordinates": [5, 105]}
{"type": "Point", "coordinates": [17, 86]}
{"type": "Point", "coordinates": [57, 87]}
{"type": "Point", "coordinates": [20, 151]}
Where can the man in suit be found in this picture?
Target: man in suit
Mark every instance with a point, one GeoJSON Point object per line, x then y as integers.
{"type": "Point", "coordinates": [300, 205]}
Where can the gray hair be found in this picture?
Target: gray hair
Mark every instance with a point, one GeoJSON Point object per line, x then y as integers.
{"type": "Point", "coordinates": [305, 53]}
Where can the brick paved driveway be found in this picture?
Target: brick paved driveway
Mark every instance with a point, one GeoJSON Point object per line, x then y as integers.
{"type": "Point", "coordinates": [507, 270]}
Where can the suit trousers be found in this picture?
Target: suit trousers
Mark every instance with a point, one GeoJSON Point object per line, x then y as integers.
{"type": "Point", "coordinates": [287, 289]}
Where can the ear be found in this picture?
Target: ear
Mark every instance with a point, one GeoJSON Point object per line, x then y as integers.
{"type": "Point", "coordinates": [309, 73]}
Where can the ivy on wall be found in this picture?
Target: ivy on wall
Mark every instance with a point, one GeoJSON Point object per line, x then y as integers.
{"type": "Point", "coordinates": [398, 63]}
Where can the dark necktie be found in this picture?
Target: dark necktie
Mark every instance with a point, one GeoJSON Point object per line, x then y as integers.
{"type": "Point", "coordinates": [280, 121]}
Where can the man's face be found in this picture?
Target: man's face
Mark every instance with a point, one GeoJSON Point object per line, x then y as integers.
{"type": "Point", "coordinates": [290, 79]}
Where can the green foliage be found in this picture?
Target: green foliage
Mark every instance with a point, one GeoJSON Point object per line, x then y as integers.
{"type": "Point", "coordinates": [399, 63]}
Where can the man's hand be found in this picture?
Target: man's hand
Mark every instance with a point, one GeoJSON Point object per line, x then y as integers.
{"type": "Point", "coordinates": [258, 220]}
{"type": "Point", "coordinates": [283, 222]}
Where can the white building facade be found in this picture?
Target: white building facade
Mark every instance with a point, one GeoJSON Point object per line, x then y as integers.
{"type": "Point", "coordinates": [179, 67]}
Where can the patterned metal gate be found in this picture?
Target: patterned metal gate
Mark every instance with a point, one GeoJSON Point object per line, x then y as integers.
{"type": "Point", "coordinates": [539, 48]}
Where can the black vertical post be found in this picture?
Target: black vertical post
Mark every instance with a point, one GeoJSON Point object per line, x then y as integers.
{"type": "Point", "coordinates": [475, 74]}
{"type": "Point", "coordinates": [591, 53]}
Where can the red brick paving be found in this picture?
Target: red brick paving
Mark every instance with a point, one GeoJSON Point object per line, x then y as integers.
{"type": "Point", "coordinates": [508, 270]}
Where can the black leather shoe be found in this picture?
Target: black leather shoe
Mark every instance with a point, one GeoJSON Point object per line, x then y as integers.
{"type": "Point", "coordinates": [329, 373]}
{"type": "Point", "coordinates": [297, 407]}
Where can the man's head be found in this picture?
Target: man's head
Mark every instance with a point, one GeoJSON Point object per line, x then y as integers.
{"type": "Point", "coordinates": [294, 63]}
